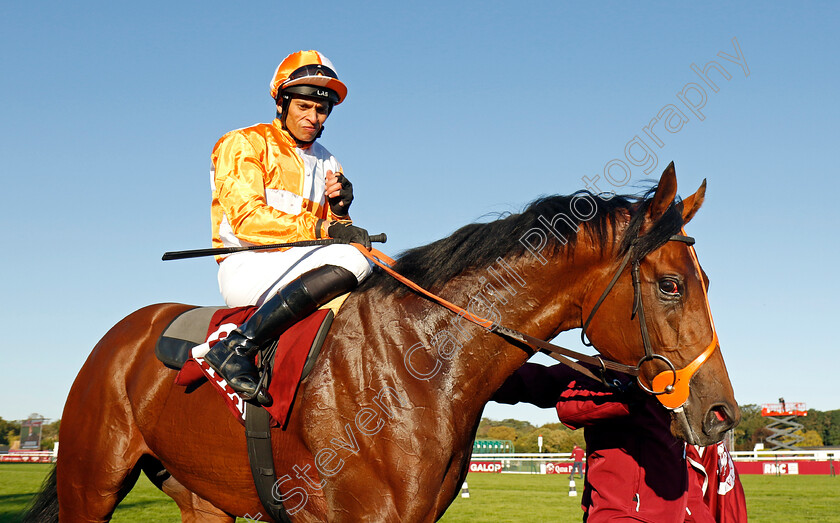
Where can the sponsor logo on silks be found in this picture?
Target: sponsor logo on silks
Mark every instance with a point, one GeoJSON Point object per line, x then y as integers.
{"type": "Point", "coordinates": [199, 351]}
{"type": "Point", "coordinates": [726, 470]}
{"type": "Point", "coordinates": [222, 332]}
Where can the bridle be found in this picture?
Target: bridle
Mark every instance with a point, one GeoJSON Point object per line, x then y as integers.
{"type": "Point", "coordinates": [671, 386]}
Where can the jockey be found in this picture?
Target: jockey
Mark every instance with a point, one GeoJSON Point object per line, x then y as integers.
{"type": "Point", "coordinates": [273, 183]}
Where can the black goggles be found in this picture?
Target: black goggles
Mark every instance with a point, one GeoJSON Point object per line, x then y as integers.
{"type": "Point", "coordinates": [311, 91]}
{"type": "Point", "coordinates": [312, 70]}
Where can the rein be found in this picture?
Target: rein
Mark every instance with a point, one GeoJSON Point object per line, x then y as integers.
{"type": "Point", "coordinates": [557, 352]}
{"type": "Point", "coordinates": [671, 386]}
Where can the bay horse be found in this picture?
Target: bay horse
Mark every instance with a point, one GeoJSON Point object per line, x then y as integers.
{"type": "Point", "coordinates": [382, 427]}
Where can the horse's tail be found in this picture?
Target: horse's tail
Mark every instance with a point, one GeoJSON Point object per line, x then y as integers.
{"type": "Point", "coordinates": [44, 508]}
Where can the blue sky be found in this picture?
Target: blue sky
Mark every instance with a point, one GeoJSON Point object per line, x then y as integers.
{"type": "Point", "coordinates": [455, 111]}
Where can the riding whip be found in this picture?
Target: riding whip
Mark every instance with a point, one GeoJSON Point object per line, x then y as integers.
{"type": "Point", "coordinates": [197, 253]}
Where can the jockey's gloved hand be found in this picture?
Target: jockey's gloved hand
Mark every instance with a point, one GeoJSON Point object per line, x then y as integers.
{"type": "Point", "coordinates": [340, 205]}
{"type": "Point", "coordinates": [350, 233]}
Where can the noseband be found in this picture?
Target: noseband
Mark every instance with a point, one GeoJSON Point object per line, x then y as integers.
{"type": "Point", "coordinates": [669, 386]}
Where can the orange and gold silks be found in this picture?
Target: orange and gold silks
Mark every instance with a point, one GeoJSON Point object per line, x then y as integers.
{"type": "Point", "coordinates": [266, 189]}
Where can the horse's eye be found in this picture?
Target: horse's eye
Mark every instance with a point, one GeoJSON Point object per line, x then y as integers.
{"type": "Point", "coordinates": [669, 287]}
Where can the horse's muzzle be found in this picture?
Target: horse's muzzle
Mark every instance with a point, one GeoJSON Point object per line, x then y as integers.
{"type": "Point", "coordinates": [720, 418]}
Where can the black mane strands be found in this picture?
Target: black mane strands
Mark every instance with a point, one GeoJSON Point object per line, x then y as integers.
{"type": "Point", "coordinates": [669, 224]}
{"type": "Point", "coordinates": [478, 245]}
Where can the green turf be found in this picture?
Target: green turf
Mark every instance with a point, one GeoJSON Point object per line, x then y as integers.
{"type": "Point", "coordinates": [18, 483]}
{"type": "Point", "coordinates": [146, 503]}
{"type": "Point", "coordinates": [792, 498]}
{"type": "Point", "coordinates": [493, 497]}
{"type": "Point", "coordinates": [516, 498]}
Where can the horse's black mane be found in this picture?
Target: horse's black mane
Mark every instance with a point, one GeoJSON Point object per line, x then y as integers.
{"type": "Point", "coordinates": [478, 245]}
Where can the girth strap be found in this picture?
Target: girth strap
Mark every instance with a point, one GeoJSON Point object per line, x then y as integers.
{"type": "Point", "coordinates": [261, 458]}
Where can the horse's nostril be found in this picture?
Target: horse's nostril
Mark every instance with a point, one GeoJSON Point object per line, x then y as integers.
{"type": "Point", "coordinates": [717, 421]}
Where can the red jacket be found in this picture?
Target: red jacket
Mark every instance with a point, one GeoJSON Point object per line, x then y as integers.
{"type": "Point", "coordinates": [636, 469]}
{"type": "Point", "coordinates": [713, 471]}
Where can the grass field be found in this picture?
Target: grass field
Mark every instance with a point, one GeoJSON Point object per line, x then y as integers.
{"type": "Point", "coordinates": [493, 497]}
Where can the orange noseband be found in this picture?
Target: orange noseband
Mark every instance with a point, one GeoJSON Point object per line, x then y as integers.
{"type": "Point", "coordinates": [677, 381]}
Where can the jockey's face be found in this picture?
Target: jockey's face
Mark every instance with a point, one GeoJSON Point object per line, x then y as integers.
{"type": "Point", "coordinates": [306, 117]}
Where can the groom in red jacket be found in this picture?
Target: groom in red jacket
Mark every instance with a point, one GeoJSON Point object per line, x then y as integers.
{"type": "Point", "coordinates": [636, 469]}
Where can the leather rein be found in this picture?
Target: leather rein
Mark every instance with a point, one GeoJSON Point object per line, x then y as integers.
{"type": "Point", "coordinates": [669, 391]}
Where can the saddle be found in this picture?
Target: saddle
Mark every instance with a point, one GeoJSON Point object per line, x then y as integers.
{"type": "Point", "coordinates": [287, 361]}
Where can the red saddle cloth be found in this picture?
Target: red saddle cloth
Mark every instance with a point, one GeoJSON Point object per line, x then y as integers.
{"type": "Point", "coordinates": [292, 349]}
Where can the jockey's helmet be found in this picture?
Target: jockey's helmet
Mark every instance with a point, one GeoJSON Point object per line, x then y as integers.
{"type": "Point", "coordinates": [307, 73]}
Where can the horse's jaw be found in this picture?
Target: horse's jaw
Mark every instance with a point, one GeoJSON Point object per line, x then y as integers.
{"type": "Point", "coordinates": [682, 429]}
{"type": "Point", "coordinates": [711, 429]}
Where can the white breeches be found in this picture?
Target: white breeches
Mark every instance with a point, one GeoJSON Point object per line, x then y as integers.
{"type": "Point", "coordinates": [251, 277]}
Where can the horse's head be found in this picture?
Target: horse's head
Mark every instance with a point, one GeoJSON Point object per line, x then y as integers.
{"type": "Point", "coordinates": [657, 315]}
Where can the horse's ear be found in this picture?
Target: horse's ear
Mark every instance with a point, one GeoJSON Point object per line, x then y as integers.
{"type": "Point", "coordinates": [666, 191]}
{"type": "Point", "coordinates": [692, 204]}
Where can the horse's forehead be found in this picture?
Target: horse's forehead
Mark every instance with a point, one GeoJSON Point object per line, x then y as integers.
{"type": "Point", "coordinates": [676, 256]}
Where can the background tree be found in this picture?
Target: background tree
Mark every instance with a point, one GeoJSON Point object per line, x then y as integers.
{"type": "Point", "coordinates": [4, 438]}
{"type": "Point", "coordinates": [521, 427]}
{"type": "Point", "coordinates": [752, 429]}
{"type": "Point", "coordinates": [503, 433]}
{"type": "Point", "coordinates": [556, 438]}
{"type": "Point", "coordinates": [820, 428]}
{"type": "Point", "coordinates": [812, 438]}
{"type": "Point", "coordinates": [50, 430]}
{"type": "Point", "coordinates": [831, 434]}
{"type": "Point", "coordinates": [826, 424]}
{"type": "Point", "coordinates": [9, 431]}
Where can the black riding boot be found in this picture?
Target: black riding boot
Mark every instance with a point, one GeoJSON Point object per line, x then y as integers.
{"type": "Point", "coordinates": [233, 356]}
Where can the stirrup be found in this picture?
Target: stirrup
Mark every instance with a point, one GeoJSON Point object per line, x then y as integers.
{"type": "Point", "coordinates": [260, 394]}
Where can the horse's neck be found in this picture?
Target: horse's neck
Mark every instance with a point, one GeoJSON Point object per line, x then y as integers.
{"type": "Point", "coordinates": [520, 293]}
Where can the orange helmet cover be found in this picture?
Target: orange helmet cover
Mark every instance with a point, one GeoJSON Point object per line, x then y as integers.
{"type": "Point", "coordinates": [307, 68]}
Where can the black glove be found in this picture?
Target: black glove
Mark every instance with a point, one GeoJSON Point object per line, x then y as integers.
{"type": "Point", "coordinates": [340, 205]}
{"type": "Point", "coordinates": [350, 233]}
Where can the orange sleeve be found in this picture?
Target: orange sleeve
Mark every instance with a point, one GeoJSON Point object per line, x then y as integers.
{"type": "Point", "coordinates": [240, 191]}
